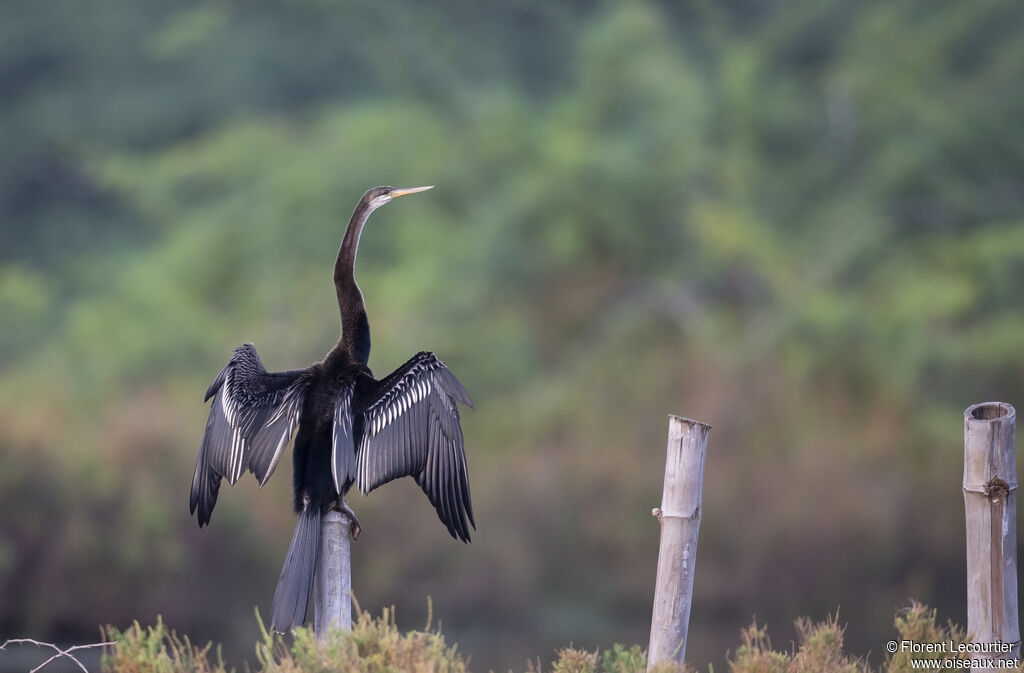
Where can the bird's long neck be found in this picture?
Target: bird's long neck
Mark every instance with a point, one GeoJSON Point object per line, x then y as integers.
{"type": "Point", "coordinates": [355, 328]}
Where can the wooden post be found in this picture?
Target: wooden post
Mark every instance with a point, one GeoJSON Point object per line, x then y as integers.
{"type": "Point", "coordinates": [990, 503]}
{"type": "Point", "coordinates": [679, 515]}
{"type": "Point", "coordinates": [332, 600]}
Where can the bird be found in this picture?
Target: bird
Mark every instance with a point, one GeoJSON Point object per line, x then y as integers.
{"type": "Point", "coordinates": [349, 429]}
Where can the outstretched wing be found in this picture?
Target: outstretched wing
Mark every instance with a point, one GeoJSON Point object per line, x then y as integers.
{"type": "Point", "coordinates": [253, 416]}
{"type": "Point", "coordinates": [411, 428]}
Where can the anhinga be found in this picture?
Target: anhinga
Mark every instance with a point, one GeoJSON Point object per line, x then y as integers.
{"type": "Point", "coordinates": [352, 429]}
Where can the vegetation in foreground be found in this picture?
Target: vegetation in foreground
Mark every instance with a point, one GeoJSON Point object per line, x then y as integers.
{"type": "Point", "coordinates": [376, 645]}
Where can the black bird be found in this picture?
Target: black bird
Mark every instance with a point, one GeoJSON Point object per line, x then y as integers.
{"type": "Point", "coordinates": [352, 429]}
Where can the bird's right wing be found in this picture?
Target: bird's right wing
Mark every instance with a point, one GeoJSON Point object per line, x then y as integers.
{"type": "Point", "coordinates": [252, 418]}
{"type": "Point", "coordinates": [411, 427]}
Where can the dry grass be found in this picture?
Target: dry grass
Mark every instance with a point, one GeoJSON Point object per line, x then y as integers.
{"type": "Point", "coordinates": [155, 649]}
{"type": "Point", "coordinates": [375, 645]}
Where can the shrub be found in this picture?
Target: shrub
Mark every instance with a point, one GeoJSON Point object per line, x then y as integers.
{"type": "Point", "coordinates": [154, 649]}
{"type": "Point", "coordinates": [375, 645]}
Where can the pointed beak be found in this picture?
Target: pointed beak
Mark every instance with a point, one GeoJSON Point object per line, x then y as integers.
{"type": "Point", "coordinates": [411, 190]}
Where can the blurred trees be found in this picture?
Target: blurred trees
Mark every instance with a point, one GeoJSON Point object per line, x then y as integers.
{"type": "Point", "coordinates": [801, 222]}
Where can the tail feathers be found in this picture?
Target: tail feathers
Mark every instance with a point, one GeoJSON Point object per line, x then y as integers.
{"type": "Point", "coordinates": [296, 583]}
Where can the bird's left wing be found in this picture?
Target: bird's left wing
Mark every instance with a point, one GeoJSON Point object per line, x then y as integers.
{"type": "Point", "coordinates": [411, 428]}
{"type": "Point", "coordinates": [253, 416]}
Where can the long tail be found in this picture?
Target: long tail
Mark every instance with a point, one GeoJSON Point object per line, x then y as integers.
{"type": "Point", "coordinates": [296, 583]}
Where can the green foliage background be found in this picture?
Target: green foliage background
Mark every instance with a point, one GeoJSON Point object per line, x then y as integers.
{"type": "Point", "coordinates": [802, 222]}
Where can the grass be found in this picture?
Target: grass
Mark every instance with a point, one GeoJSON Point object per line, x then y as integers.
{"type": "Point", "coordinates": [376, 645]}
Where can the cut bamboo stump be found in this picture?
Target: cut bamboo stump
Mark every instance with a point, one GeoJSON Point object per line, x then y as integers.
{"type": "Point", "coordinates": [990, 503]}
{"type": "Point", "coordinates": [332, 601]}
{"type": "Point", "coordinates": [679, 516]}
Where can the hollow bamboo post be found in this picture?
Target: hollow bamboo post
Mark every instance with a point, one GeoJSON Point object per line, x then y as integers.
{"type": "Point", "coordinates": [679, 516]}
{"type": "Point", "coordinates": [990, 504]}
{"type": "Point", "coordinates": [332, 602]}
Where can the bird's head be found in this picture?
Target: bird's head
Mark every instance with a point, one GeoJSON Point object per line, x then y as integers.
{"type": "Point", "coordinates": [378, 196]}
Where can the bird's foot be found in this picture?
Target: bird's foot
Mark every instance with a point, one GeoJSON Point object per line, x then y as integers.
{"type": "Point", "coordinates": [356, 527]}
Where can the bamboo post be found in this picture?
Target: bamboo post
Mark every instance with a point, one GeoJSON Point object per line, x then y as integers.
{"type": "Point", "coordinates": [990, 504]}
{"type": "Point", "coordinates": [679, 516]}
{"type": "Point", "coordinates": [332, 602]}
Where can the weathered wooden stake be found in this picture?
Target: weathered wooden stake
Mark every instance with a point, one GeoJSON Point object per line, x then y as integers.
{"type": "Point", "coordinates": [990, 503]}
{"type": "Point", "coordinates": [332, 593]}
{"type": "Point", "coordinates": [679, 515]}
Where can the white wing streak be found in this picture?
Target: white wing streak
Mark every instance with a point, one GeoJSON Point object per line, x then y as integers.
{"type": "Point", "coordinates": [343, 466]}
{"type": "Point", "coordinates": [253, 417]}
{"type": "Point", "coordinates": [411, 428]}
